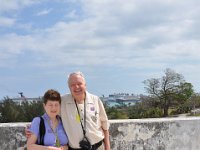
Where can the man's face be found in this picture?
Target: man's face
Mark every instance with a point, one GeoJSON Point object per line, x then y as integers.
{"type": "Point", "coordinates": [77, 86]}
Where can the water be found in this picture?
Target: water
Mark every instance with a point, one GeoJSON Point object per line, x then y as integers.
{"type": "Point", "coordinates": [115, 104]}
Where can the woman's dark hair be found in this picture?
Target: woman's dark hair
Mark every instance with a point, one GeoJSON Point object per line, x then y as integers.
{"type": "Point", "coordinates": [51, 95]}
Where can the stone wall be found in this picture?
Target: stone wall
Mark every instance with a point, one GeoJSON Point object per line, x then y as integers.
{"type": "Point", "coordinates": [134, 134]}
{"type": "Point", "coordinates": [12, 136]}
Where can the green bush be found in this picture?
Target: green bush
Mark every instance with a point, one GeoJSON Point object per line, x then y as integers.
{"type": "Point", "coordinates": [13, 112]}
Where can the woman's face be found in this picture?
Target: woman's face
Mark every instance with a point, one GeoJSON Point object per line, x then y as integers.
{"type": "Point", "coordinates": [52, 108]}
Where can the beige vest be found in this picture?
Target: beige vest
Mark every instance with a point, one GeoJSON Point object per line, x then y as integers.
{"type": "Point", "coordinates": [96, 119]}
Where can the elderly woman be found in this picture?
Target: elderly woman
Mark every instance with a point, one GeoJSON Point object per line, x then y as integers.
{"type": "Point", "coordinates": [54, 136]}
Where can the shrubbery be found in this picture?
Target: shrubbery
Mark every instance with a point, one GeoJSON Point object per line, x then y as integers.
{"type": "Point", "coordinates": [12, 112]}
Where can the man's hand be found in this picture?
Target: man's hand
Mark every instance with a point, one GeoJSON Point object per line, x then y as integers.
{"type": "Point", "coordinates": [27, 132]}
{"type": "Point", "coordinates": [64, 147]}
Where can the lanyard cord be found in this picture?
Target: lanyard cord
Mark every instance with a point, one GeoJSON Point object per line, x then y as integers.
{"type": "Point", "coordinates": [55, 133]}
{"type": "Point", "coordinates": [83, 128]}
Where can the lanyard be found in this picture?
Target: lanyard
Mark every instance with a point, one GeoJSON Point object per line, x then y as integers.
{"type": "Point", "coordinates": [55, 134]}
{"type": "Point", "coordinates": [83, 128]}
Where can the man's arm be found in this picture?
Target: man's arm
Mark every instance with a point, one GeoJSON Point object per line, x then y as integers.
{"type": "Point", "coordinates": [104, 125]}
{"type": "Point", "coordinates": [106, 139]}
{"type": "Point", "coordinates": [27, 132]}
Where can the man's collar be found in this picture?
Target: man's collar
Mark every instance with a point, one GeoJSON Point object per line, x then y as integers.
{"type": "Point", "coordinates": [87, 98]}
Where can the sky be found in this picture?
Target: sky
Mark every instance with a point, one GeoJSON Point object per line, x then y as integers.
{"type": "Point", "coordinates": [117, 44]}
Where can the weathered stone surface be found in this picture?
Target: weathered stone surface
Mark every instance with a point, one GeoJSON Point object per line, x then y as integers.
{"type": "Point", "coordinates": [156, 134]}
{"type": "Point", "coordinates": [135, 134]}
{"type": "Point", "coordinates": [12, 136]}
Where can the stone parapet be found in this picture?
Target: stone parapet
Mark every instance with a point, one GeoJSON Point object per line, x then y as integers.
{"type": "Point", "coordinates": [181, 133]}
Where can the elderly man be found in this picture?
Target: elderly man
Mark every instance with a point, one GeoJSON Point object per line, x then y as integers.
{"type": "Point", "coordinates": [84, 117]}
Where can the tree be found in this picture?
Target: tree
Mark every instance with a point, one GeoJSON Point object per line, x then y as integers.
{"type": "Point", "coordinates": [10, 111]}
{"type": "Point", "coordinates": [13, 112]}
{"type": "Point", "coordinates": [116, 113]}
{"type": "Point", "coordinates": [170, 90]}
{"type": "Point", "coordinates": [31, 110]}
{"type": "Point", "coordinates": [195, 101]}
{"type": "Point", "coordinates": [146, 108]}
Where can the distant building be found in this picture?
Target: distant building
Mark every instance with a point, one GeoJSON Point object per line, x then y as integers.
{"type": "Point", "coordinates": [23, 99]}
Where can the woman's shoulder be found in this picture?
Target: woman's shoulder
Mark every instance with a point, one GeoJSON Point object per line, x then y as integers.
{"type": "Point", "coordinates": [35, 122]}
{"type": "Point", "coordinates": [36, 119]}
{"type": "Point", "coordinates": [35, 125]}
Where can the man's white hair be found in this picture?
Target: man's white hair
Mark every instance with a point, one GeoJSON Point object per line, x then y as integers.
{"type": "Point", "coordinates": [75, 73]}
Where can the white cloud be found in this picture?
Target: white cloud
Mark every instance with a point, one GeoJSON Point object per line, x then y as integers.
{"type": "Point", "coordinates": [6, 22]}
{"type": "Point", "coordinates": [132, 34]}
{"type": "Point", "coordinates": [10, 5]}
{"type": "Point", "coordinates": [138, 38]}
{"type": "Point", "coordinates": [44, 12]}
{"type": "Point", "coordinates": [72, 15]}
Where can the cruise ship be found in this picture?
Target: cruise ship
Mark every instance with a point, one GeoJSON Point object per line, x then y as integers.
{"type": "Point", "coordinates": [118, 99]}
